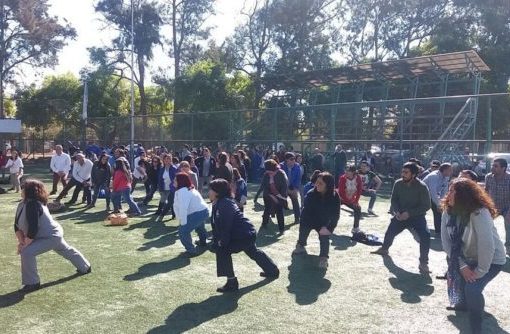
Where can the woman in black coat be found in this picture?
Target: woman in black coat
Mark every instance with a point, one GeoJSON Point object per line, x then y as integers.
{"type": "Point", "coordinates": [320, 213]}
{"type": "Point", "coordinates": [234, 233]}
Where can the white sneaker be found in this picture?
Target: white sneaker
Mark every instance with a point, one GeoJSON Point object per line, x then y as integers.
{"type": "Point", "coordinates": [355, 230]}
{"type": "Point", "coordinates": [370, 212]}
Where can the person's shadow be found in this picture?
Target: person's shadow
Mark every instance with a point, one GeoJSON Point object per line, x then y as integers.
{"type": "Point", "coordinates": [306, 280]}
{"type": "Point", "coordinates": [155, 268]}
{"type": "Point", "coordinates": [191, 315]}
{"type": "Point", "coordinates": [489, 323]}
{"type": "Point", "coordinates": [412, 285]}
{"type": "Point", "coordinates": [14, 297]}
{"type": "Point", "coordinates": [342, 242]}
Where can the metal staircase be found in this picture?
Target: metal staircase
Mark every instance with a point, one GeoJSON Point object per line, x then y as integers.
{"type": "Point", "coordinates": [458, 129]}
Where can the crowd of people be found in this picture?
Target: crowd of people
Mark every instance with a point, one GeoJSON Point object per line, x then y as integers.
{"type": "Point", "coordinates": [463, 211]}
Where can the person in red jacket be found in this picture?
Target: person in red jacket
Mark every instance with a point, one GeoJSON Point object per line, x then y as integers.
{"type": "Point", "coordinates": [350, 187]}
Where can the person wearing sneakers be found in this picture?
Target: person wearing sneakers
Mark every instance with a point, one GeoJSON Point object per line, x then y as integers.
{"type": "Point", "coordinates": [475, 251]}
{"type": "Point", "coordinates": [320, 213]}
{"type": "Point", "coordinates": [121, 188]}
{"type": "Point", "coordinates": [410, 201]}
{"type": "Point", "coordinates": [234, 233]}
{"type": "Point", "coordinates": [497, 185]}
{"type": "Point", "coordinates": [371, 184]}
{"type": "Point", "coordinates": [191, 211]}
{"type": "Point", "coordinates": [350, 187]}
{"type": "Point", "coordinates": [37, 233]}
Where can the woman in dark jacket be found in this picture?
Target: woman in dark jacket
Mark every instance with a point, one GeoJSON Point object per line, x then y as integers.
{"type": "Point", "coordinates": [234, 233]}
{"type": "Point", "coordinates": [274, 187]}
{"type": "Point", "coordinates": [101, 177]}
{"type": "Point", "coordinates": [152, 178]}
{"type": "Point", "coordinates": [224, 168]}
{"type": "Point", "coordinates": [320, 213]}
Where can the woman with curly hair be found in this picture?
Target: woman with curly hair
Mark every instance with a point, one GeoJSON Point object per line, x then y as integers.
{"type": "Point", "coordinates": [475, 251]}
{"type": "Point", "coordinates": [37, 233]}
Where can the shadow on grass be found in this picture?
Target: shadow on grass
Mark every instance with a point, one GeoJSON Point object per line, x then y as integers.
{"type": "Point", "coordinates": [306, 280]}
{"type": "Point", "coordinates": [412, 285]}
{"type": "Point", "coordinates": [342, 242]}
{"type": "Point", "coordinates": [155, 268]}
{"type": "Point", "coordinates": [12, 298]}
{"type": "Point", "coordinates": [191, 315]}
{"type": "Point", "coordinates": [489, 323]}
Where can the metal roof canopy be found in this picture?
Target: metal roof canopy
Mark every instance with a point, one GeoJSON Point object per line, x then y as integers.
{"type": "Point", "coordinates": [463, 62]}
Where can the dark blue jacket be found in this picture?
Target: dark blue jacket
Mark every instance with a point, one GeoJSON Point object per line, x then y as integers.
{"type": "Point", "coordinates": [229, 223]}
{"type": "Point", "coordinates": [294, 175]}
{"type": "Point", "coordinates": [161, 183]}
{"type": "Point", "coordinates": [241, 189]}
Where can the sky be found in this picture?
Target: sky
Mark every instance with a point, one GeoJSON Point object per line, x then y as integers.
{"type": "Point", "coordinates": [80, 14]}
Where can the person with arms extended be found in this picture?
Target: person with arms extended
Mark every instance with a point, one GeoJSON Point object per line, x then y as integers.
{"type": "Point", "coordinates": [475, 251]}
{"type": "Point", "coordinates": [410, 201]}
{"type": "Point", "coordinates": [234, 233]}
{"type": "Point", "coordinates": [37, 233]}
{"type": "Point", "coordinates": [320, 213]}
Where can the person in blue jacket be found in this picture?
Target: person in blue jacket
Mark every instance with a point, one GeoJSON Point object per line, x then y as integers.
{"type": "Point", "coordinates": [241, 189]}
{"type": "Point", "coordinates": [234, 233]}
{"type": "Point", "coordinates": [293, 171]}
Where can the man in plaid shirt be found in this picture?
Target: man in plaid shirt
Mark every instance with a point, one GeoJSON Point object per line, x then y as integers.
{"type": "Point", "coordinates": [497, 185]}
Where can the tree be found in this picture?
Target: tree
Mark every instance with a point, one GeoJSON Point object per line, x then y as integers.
{"type": "Point", "coordinates": [378, 29]}
{"type": "Point", "coordinates": [250, 47]}
{"type": "Point", "coordinates": [58, 99]}
{"type": "Point", "coordinates": [28, 36]}
{"type": "Point", "coordinates": [186, 18]}
{"type": "Point", "coordinates": [147, 24]}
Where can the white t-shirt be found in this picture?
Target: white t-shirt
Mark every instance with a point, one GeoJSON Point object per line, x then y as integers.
{"type": "Point", "coordinates": [186, 202]}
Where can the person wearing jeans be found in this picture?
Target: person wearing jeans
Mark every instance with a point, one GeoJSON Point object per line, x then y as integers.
{"type": "Point", "coordinates": [410, 201]}
{"type": "Point", "coordinates": [101, 177]}
{"type": "Point", "coordinates": [293, 172]}
{"type": "Point", "coordinates": [320, 213]}
{"type": "Point", "coordinates": [121, 188]}
{"type": "Point", "coordinates": [471, 241]}
{"type": "Point", "coordinates": [437, 182]}
{"type": "Point", "coordinates": [191, 211]}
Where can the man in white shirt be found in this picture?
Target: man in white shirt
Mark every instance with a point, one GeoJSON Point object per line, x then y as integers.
{"type": "Point", "coordinates": [437, 182]}
{"type": "Point", "coordinates": [60, 165]}
{"type": "Point", "coordinates": [82, 171]}
{"type": "Point", "coordinates": [15, 165]}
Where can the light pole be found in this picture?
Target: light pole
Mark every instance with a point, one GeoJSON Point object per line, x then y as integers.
{"type": "Point", "coordinates": [132, 141]}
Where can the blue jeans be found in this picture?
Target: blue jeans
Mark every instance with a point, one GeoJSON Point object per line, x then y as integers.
{"type": "Point", "coordinates": [97, 189]}
{"type": "Point", "coordinates": [126, 195]}
{"type": "Point", "coordinates": [195, 221]}
{"type": "Point", "coordinates": [475, 302]}
{"type": "Point", "coordinates": [373, 197]}
{"type": "Point", "coordinates": [419, 224]}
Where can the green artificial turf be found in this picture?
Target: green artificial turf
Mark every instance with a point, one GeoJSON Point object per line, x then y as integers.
{"type": "Point", "coordinates": [141, 284]}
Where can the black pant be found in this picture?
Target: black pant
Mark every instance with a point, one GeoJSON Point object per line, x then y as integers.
{"type": "Point", "coordinates": [304, 232]}
{"type": "Point", "coordinates": [78, 186]}
{"type": "Point", "coordinates": [437, 218]}
{"type": "Point", "coordinates": [356, 212]}
{"type": "Point", "coordinates": [269, 207]}
{"type": "Point", "coordinates": [224, 266]}
{"type": "Point", "coordinates": [169, 207]}
{"type": "Point", "coordinates": [153, 187]}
